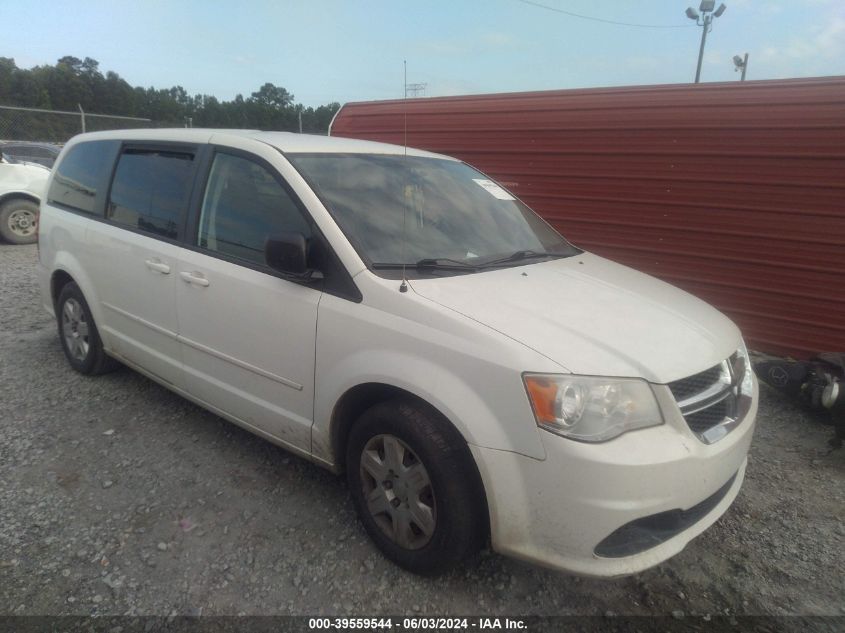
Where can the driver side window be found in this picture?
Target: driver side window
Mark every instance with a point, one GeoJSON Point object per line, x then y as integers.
{"type": "Point", "coordinates": [243, 205]}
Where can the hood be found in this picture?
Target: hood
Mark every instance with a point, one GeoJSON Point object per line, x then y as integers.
{"type": "Point", "coordinates": [593, 317]}
{"type": "Point", "coordinates": [23, 177]}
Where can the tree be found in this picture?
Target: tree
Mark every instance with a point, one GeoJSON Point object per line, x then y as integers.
{"type": "Point", "coordinates": [272, 96]}
{"type": "Point", "coordinates": [73, 64]}
{"type": "Point", "coordinates": [73, 81]}
{"type": "Point", "coordinates": [115, 96]}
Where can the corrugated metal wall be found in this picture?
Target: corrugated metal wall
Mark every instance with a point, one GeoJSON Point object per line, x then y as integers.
{"type": "Point", "coordinates": [733, 191]}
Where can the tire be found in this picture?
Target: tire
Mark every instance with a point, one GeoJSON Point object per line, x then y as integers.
{"type": "Point", "coordinates": [78, 334]}
{"type": "Point", "coordinates": [429, 516]}
{"type": "Point", "coordinates": [18, 221]}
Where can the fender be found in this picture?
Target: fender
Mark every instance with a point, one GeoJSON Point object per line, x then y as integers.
{"type": "Point", "coordinates": [511, 428]}
{"type": "Point", "coordinates": [59, 243]}
{"type": "Point", "coordinates": [66, 262]}
{"type": "Point", "coordinates": [25, 180]}
{"type": "Point", "coordinates": [20, 193]}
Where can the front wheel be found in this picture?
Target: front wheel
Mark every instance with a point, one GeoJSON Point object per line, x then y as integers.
{"type": "Point", "coordinates": [415, 487]}
{"type": "Point", "coordinates": [19, 221]}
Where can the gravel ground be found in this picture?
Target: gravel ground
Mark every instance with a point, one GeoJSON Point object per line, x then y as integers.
{"type": "Point", "coordinates": [118, 497]}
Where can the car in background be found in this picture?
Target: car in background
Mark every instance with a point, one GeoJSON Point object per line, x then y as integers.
{"type": "Point", "coordinates": [24, 169]}
{"type": "Point", "coordinates": [29, 152]}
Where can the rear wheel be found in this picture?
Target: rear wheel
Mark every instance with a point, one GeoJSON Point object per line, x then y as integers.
{"type": "Point", "coordinates": [18, 221]}
{"type": "Point", "coordinates": [415, 487]}
{"type": "Point", "coordinates": [79, 336]}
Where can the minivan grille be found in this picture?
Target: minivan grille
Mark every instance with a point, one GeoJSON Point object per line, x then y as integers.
{"type": "Point", "coordinates": [702, 420]}
{"type": "Point", "coordinates": [686, 387]}
{"type": "Point", "coordinates": [711, 399]}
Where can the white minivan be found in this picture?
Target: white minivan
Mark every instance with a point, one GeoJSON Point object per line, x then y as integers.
{"type": "Point", "coordinates": [398, 316]}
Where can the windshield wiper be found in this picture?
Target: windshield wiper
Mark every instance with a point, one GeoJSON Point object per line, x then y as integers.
{"type": "Point", "coordinates": [439, 263]}
{"type": "Point", "coordinates": [519, 256]}
{"type": "Point", "coordinates": [444, 263]}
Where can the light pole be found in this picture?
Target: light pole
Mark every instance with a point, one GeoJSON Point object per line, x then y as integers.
{"type": "Point", "coordinates": [741, 63]}
{"type": "Point", "coordinates": [705, 21]}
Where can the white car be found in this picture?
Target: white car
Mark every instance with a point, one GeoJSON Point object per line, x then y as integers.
{"type": "Point", "coordinates": [22, 186]}
{"type": "Point", "coordinates": [398, 316]}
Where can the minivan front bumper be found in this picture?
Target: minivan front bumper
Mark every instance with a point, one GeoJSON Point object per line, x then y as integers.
{"type": "Point", "coordinates": [615, 508]}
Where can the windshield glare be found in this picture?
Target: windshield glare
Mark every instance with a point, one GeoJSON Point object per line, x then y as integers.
{"type": "Point", "coordinates": [403, 209]}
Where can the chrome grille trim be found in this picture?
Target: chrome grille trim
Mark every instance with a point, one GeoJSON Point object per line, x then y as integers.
{"type": "Point", "coordinates": [714, 394]}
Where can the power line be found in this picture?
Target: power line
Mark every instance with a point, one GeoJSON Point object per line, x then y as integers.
{"type": "Point", "coordinates": [594, 19]}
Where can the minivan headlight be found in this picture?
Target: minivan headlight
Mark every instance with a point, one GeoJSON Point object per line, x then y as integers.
{"type": "Point", "coordinates": [591, 409]}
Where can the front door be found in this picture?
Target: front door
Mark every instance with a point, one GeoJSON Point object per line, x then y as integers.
{"type": "Point", "coordinates": [247, 334]}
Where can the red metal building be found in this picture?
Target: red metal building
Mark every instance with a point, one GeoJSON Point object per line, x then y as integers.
{"type": "Point", "coordinates": [733, 191]}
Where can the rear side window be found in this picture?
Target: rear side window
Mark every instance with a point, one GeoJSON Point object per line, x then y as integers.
{"type": "Point", "coordinates": [243, 205]}
{"type": "Point", "coordinates": [81, 174]}
{"type": "Point", "coordinates": [150, 190]}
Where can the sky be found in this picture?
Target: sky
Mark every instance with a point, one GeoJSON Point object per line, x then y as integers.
{"type": "Point", "coordinates": [353, 50]}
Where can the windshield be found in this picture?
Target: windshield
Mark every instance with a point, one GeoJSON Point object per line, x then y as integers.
{"type": "Point", "coordinates": [408, 209]}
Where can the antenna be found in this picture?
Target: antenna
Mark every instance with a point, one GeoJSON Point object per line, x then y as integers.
{"type": "Point", "coordinates": [405, 107]}
{"type": "Point", "coordinates": [403, 287]}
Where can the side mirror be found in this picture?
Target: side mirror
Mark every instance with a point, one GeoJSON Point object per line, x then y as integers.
{"type": "Point", "coordinates": [287, 253]}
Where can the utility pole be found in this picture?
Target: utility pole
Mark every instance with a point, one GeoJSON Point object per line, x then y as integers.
{"type": "Point", "coordinates": [705, 21]}
{"type": "Point", "coordinates": [705, 26]}
{"type": "Point", "coordinates": [741, 64]}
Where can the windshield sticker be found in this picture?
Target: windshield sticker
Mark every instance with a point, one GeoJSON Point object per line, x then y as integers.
{"type": "Point", "coordinates": [495, 190]}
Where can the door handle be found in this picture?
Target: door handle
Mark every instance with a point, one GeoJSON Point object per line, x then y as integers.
{"type": "Point", "coordinates": [157, 265]}
{"type": "Point", "coordinates": [194, 278]}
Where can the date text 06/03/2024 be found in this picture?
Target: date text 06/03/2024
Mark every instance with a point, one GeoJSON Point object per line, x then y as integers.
{"type": "Point", "coordinates": [415, 624]}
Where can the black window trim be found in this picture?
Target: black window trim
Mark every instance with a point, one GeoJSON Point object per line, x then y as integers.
{"type": "Point", "coordinates": [338, 281]}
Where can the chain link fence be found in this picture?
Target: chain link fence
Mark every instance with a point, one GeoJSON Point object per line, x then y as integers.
{"type": "Point", "coordinates": [58, 126]}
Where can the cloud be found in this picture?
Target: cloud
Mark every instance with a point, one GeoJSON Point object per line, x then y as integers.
{"type": "Point", "coordinates": [444, 87]}
{"type": "Point", "coordinates": [778, 6]}
{"type": "Point", "coordinates": [829, 41]}
{"type": "Point", "coordinates": [480, 43]}
{"type": "Point", "coordinates": [714, 56]}
{"type": "Point", "coordinates": [644, 62]}
{"type": "Point", "coordinates": [822, 42]}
